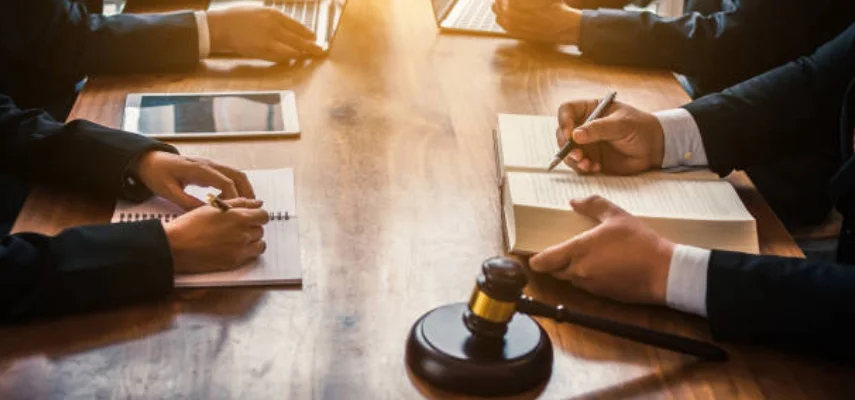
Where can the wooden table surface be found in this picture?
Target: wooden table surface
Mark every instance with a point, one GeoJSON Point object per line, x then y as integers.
{"type": "Point", "coordinates": [399, 206]}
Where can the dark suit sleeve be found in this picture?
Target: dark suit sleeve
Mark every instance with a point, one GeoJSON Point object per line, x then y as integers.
{"type": "Point", "coordinates": [772, 117]}
{"type": "Point", "coordinates": [87, 267]}
{"type": "Point", "coordinates": [728, 45]}
{"type": "Point", "coordinates": [60, 35]}
{"type": "Point", "coordinates": [789, 303]}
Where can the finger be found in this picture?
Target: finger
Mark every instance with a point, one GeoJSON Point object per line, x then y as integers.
{"type": "Point", "coordinates": [254, 249]}
{"type": "Point", "coordinates": [573, 114]}
{"type": "Point", "coordinates": [573, 158]}
{"type": "Point", "coordinates": [241, 202]}
{"type": "Point", "coordinates": [559, 256]}
{"type": "Point", "coordinates": [253, 217]}
{"type": "Point", "coordinates": [254, 234]}
{"type": "Point", "coordinates": [582, 159]}
{"type": "Point", "coordinates": [514, 23]}
{"type": "Point", "coordinates": [519, 30]}
{"type": "Point", "coordinates": [572, 272]}
{"type": "Point", "coordinates": [241, 182]}
{"type": "Point", "coordinates": [204, 175]}
{"type": "Point", "coordinates": [280, 52]}
{"type": "Point", "coordinates": [177, 195]}
{"type": "Point", "coordinates": [597, 208]}
{"type": "Point", "coordinates": [593, 154]}
{"type": "Point", "coordinates": [306, 46]}
{"type": "Point", "coordinates": [561, 137]}
{"type": "Point", "coordinates": [598, 130]}
{"type": "Point", "coordinates": [285, 22]}
{"type": "Point", "coordinates": [575, 166]}
{"type": "Point", "coordinates": [251, 251]}
{"type": "Point", "coordinates": [497, 8]}
{"type": "Point", "coordinates": [503, 21]}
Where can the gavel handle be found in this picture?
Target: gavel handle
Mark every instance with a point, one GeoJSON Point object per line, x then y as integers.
{"type": "Point", "coordinates": [680, 344]}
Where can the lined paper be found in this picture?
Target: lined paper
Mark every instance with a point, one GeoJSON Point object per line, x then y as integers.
{"type": "Point", "coordinates": [643, 196]}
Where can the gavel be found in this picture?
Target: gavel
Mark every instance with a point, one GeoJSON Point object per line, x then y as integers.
{"type": "Point", "coordinates": [491, 345]}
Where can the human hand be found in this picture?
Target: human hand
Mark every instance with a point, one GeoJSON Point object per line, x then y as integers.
{"type": "Point", "coordinates": [208, 239]}
{"type": "Point", "coordinates": [623, 141]}
{"type": "Point", "coordinates": [621, 258]}
{"type": "Point", "coordinates": [167, 174]}
{"type": "Point", "coordinates": [255, 31]}
{"type": "Point", "coordinates": [550, 21]}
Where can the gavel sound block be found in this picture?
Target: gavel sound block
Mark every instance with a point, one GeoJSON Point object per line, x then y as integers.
{"type": "Point", "coordinates": [482, 348]}
{"type": "Point", "coordinates": [491, 347]}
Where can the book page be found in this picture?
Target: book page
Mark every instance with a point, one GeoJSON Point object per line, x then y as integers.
{"type": "Point", "coordinates": [639, 195]}
{"type": "Point", "coordinates": [527, 144]}
{"type": "Point", "coordinates": [274, 186]}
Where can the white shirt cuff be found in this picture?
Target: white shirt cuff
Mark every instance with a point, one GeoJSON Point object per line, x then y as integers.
{"type": "Point", "coordinates": [683, 144]}
{"type": "Point", "coordinates": [204, 34]}
{"type": "Point", "coordinates": [687, 280]}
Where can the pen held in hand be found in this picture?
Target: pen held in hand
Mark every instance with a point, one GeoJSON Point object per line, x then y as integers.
{"type": "Point", "coordinates": [215, 201]}
{"type": "Point", "coordinates": [597, 113]}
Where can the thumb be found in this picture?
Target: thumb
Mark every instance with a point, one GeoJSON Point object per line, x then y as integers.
{"type": "Point", "coordinates": [599, 130]}
{"type": "Point", "coordinates": [557, 258]}
{"type": "Point", "coordinates": [597, 208]}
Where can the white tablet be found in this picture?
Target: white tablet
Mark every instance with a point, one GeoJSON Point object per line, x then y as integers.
{"type": "Point", "coordinates": [211, 115]}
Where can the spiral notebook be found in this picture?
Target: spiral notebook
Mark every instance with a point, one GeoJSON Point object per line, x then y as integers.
{"type": "Point", "coordinates": [280, 263]}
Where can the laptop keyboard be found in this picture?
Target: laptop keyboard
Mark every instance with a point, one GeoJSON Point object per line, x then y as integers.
{"type": "Point", "coordinates": [476, 15]}
{"type": "Point", "coordinates": [302, 11]}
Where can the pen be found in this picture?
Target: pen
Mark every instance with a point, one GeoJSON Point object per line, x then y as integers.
{"type": "Point", "coordinates": [598, 111]}
{"type": "Point", "coordinates": [217, 202]}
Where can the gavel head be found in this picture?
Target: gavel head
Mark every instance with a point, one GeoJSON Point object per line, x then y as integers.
{"type": "Point", "coordinates": [494, 299]}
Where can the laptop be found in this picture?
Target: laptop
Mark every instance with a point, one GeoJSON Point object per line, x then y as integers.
{"type": "Point", "coordinates": [467, 16]}
{"type": "Point", "coordinates": [321, 16]}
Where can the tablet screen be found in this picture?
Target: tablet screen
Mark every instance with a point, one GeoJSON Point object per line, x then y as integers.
{"type": "Point", "coordinates": [249, 112]}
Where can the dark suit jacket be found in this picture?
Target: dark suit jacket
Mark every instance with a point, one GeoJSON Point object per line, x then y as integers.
{"type": "Point", "coordinates": [48, 46]}
{"type": "Point", "coordinates": [717, 43]}
{"type": "Point", "coordinates": [795, 303]}
{"type": "Point", "coordinates": [87, 267]}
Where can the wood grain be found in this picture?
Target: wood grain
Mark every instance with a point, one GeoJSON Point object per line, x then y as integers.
{"type": "Point", "coordinates": [399, 206]}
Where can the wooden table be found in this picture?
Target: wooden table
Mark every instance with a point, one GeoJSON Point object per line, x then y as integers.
{"type": "Point", "coordinates": [399, 206]}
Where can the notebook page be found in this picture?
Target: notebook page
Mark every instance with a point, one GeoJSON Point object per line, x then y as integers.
{"type": "Point", "coordinates": [274, 186]}
{"type": "Point", "coordinates": [156, 207]}
{"type": "Point", "coordinates": [280, 263]}
{"type": "Point", "coordinates": [528, 144]}
{"type": "Point", "coordinates": [639, 195]}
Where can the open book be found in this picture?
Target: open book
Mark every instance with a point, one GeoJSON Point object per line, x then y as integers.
{"type": "Point", "coordinates": [278, 265]}
{"type": "Point", "coordinates": [693, 207]}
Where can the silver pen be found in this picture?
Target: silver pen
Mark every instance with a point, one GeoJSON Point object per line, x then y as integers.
{"type": "Point", "coordinates": [598, 111]}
